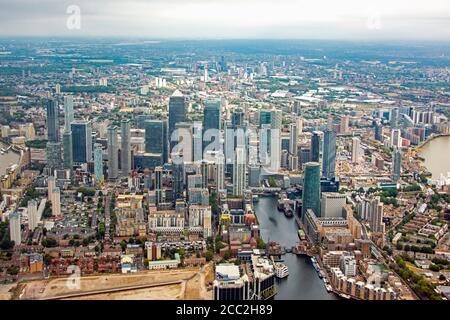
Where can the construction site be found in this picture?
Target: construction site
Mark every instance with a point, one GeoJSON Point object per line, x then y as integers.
{"type": "Point", "coordinates": [179, 284]}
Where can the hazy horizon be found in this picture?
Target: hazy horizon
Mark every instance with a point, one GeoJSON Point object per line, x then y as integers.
{"type": "Point", "coordinates": [381, 20]}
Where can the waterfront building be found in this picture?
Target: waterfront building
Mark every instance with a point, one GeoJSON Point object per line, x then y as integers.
{"type": "Point", "coordinates": [311, 188]}
{"type": "Point", "coordinates": [332, 204]}
{"type": "Point", "coordinates": [229, 284]}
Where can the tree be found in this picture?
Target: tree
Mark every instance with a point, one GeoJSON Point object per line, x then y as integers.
{"type": "Point", "coordinates": [227, 255]}
{"type": "Point", "coordinates": [209, 255]}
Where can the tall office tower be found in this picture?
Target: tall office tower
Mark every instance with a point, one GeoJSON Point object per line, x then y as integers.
{"type": "Point", "coordinates": [156, 137]}
{"type": "Point", "coordinates": [113, 154]}
{"type": "Point", "coordinates": [32, 211]}
{"type": "Point", "coordinates": [394, 118]}
{"type": "Point", "coordinates": [397, 165]}
{"type": "Point", "coordinates": [52, 120]}
{"type": "Point", "coordinates": [81, 141]}
{"type": "Point", "coordinates": [270, 148]}
{"type": "Point", "coordinates": [205, 173]}
{"type": "Point", "coordinates": [330, 125]}
{"type": "Point", "coordinates": [239, 172]}
{"type": "Point", "coordinates": [378, 129]}
{"type": "Point", "coordinates": [68, 112]}
{"type": "Point", "coordinates": [159, 185]}
{"type": "Point", "coordinates": [51, 184]}
{"type": "Point", "coordinates": [355, 150]}
{"type": "Point", "coordinates": [276, 119]}
{"type": "Point", "coordinates": [332, 204]}
{"type": "Point", "coordinates": [275, 150]}
{"type": "Point", "coordinates": [177, 113]}
{"type": "Point", "coordinates": [67, 150]}
{"type": "Point", "coordinates": [15, 234]}
{"type": "Point", "coordinates": [125, 151]}
{"type": "Point", "coordinates": [311, 188]}
{"type": "Point", "coordinates": [343, 128]}
{"type": "Point", "coordinates": [212, 120]}
{"type": "Point", "coordinates": [237, 118]}
{"type": "Point", "coordinates": [197, 143]}
{"type": "Point", "coordinates": [54, 156]}
{"type": "Point", "coordinates": [220, 171]}
{"type": "Point", "coordinates": [184, 146]}
{"type": "Point", "coordinates": [297, 108]}
{"type": "Point", "coordinates": [98, 163]}
{"type": "Point", "coordinates": [329, 155]}
{"type": "Point", "coordinates": [293, 142]}
{"type": "Point", "coordinates": [265, 118]}
{"type": "Point", "coordinates": [56, 202]}
{"type": "Point", "coordinates": [396, 138]}
{"type": "Point", "coordinates": [178, 180]}
{"type": "Point", "coordinates": [376, 215]}
{"type": "Point", "coordinates": [315, 147]}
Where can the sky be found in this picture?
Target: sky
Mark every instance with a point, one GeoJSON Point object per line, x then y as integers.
{"type": "Point", "coordinates": [229, 19]}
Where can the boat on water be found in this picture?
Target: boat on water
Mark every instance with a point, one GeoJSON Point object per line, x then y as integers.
{"type": "Point", "coordinates": [288, 213]}
{"type": "Point", "coordinates": [281, 270]}
{"type": "Point", "coordinates": [343, 295]}
{"type": "Point", "coordinates": [255, 198]}
{"type": "Point", "coordinates": [329, 288]}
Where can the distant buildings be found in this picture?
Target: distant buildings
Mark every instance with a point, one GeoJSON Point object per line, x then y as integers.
{"type": "Point", "coordinates": [315, 147]}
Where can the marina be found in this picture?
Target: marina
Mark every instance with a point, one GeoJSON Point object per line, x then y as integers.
{"type": "Point", "coordinates": [303, 282]}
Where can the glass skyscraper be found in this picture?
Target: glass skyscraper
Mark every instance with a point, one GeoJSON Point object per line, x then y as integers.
{"type": "Point", "coordinates": [125, 150]}
{"type": "Point", "coordinates": [311, 188]}
{"type": "Point", "coordinates": [113, 154]}
{"type": "Point", "coordinates": [212, 113]}
{"type": "Point", "coordinates": [329, 155]}
{"type": "Point", "coordinates": [156, 137]}
{"type": "Point", "coordinates": [177, 113]}
{"type": "Point", "coordinates": [315, 147]}
{"type": "Point", "coordinates": [81, 141]}
{"type": "Point", "coordinates": [52, 120]}
{"type": "Point", "coordinates": [98, 163]}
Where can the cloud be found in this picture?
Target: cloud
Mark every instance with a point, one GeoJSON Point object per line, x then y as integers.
{"type": "Point", "coordinates": [322, 19]}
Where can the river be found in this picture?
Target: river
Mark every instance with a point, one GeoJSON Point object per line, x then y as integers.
{"type": "Point", "coordinates": [303, 283]}
{"type": "Point", "coordinates": [7, 159]}
{"type": "Point", "coordinates": [436, 153]}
